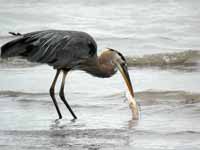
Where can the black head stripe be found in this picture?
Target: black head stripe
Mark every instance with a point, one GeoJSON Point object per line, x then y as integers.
{"type": "Point", "coordinates": [122, 57]}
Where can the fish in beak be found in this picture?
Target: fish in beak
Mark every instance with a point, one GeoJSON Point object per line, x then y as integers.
{"type": "Point", "coordinates": [132, 103]}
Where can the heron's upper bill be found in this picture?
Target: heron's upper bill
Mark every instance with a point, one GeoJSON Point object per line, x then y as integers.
{"type": "Point", "coordinates": [132, 103]}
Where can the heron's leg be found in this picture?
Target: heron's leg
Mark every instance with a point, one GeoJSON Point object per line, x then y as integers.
{"type": "Point", "coordinates": [52, 93]}
{"type": "Point", "coordinates": [62, 96]}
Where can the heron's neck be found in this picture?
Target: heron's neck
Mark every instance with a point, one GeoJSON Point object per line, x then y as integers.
{"type": "Point", "coordinates": [101, 68]}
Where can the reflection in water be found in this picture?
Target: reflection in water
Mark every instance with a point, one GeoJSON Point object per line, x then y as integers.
{"type": "Point", "coordinates": [132, 123]}
{"type": "Point", "coordinates": [60, 124]}
{"type": "Point", "coordinates": [56, 125]}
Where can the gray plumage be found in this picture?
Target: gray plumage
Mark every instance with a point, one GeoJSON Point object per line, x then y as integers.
{"type": "Point", "coordinates": [61, 49]}
{"type": "Point", "coordinates": [66, 51]}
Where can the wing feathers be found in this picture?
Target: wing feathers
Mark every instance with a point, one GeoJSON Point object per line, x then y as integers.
{"type": "Point", "coordinates": [54, 47]}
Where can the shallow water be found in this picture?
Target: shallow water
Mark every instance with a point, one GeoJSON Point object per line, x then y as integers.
{"type": "Point", "coordinates": [135, 27]}
{"type": "Point", "coordinates": [161, 42]}
{"type": "Point", "coordinates": [169, 111]}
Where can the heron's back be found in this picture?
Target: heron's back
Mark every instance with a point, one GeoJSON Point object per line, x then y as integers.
{"type": "Point", "coordinates": [57, 48]}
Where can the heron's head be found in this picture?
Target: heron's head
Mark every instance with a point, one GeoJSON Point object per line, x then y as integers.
{"type": "Point", "coordinates": [118, 61]}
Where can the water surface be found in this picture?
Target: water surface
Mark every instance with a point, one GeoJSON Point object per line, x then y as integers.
{"type": "Point", "coordinates": [161, 42]}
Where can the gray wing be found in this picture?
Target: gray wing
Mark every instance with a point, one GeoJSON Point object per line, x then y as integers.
{"type": "Point", "coordinates": [54, 47]}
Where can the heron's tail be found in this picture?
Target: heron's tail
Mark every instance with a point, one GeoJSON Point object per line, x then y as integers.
{"type": "Point", "coordinates": [15, 33]}
{"type": "Point", "coordinates": [13, 48]}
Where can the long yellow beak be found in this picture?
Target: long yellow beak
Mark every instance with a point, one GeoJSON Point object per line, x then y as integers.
{"type": "Point", "coordinates": [132, 103]}
{"type": "Point", "coordinates": [124, 71]}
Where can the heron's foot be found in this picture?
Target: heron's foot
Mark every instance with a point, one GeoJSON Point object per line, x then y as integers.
{"type": "Point", "coordinates": [59, 116]}
{"type": "Point", "coordinates": [57, 121]}
{"type": "Point", "coordinates": [74, 119]}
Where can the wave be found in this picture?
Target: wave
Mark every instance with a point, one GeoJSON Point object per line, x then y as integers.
{"type": "Point", "coordinates": [185, 58]}
{"type": "Point", "coordinates": [189, 57]}
{"type": "Point", "coordinates": [166, 97]}
{"type": "Point", "coordinates": [103, 133]}
{"type": "Point", "coordinates": [16, 62]}
{"type": "Point", "coordinates": [169, 133]}
{"type": "Point", "coordinates": [144, 97]}
{"type": "Point", "coordinates": [18, 94]}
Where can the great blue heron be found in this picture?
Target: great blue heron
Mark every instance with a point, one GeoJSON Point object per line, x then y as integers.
{"type": "Point", "coordinates": [66, 51]}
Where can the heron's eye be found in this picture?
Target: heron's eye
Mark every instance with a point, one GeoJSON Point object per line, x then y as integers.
{"type": "Point", "coordinates": [124, 64]}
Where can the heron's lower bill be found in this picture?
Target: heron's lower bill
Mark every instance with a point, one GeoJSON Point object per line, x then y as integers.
{"type": "Point", "coordinates": [132, 103]}
{"type": "Point", "coordinates": [133, 106]}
